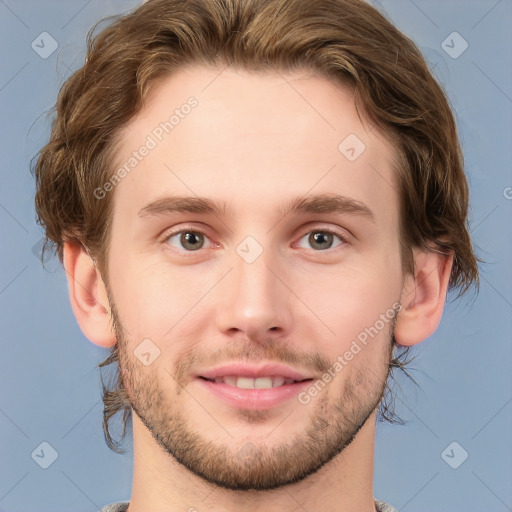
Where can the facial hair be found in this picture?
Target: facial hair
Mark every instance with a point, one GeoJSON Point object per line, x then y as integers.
{"type": "Point", "coordinates": [243, 465]}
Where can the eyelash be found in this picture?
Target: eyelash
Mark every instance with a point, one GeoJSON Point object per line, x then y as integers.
{"type": "Point", "coordinates": [342, 238]}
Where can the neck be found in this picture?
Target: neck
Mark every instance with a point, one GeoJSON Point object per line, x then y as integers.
{"type": "Point", "coordinates": [161, 484]}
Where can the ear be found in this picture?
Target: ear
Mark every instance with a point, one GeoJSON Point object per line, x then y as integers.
{"type": "Point", "coordinates": [88, 295]}
{"type": "Point", "coordinates": [423, 297]}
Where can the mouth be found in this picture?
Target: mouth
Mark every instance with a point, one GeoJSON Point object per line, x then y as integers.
{"type": "Point", "coordinates": [247, 386]}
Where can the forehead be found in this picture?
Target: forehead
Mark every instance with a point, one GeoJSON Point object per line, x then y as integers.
{"type": "Point", "coordinates": [251, 139]}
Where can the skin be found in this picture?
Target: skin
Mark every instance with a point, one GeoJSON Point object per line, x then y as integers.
{"type": "Point", "coordinates": [254, 141]}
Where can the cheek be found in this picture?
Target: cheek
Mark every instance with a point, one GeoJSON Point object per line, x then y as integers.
{"type": "Point", "coordinates": [352, 300]}
{"type": "Point", "coordinates": [156, 302]}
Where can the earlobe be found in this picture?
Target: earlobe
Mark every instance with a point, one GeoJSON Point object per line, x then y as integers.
{"type": "Point", "coordinates": [423, 298]}
{"type": "Point", "coordinates": [87, 294]}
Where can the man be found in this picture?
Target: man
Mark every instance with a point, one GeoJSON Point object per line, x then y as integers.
{"type": "Point", "coordinates": [257, 202]}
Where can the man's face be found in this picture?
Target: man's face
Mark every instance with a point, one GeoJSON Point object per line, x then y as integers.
{"type": "Point", "coordinates": [255, 294]}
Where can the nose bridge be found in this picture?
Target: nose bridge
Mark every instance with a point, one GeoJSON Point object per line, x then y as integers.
{"type": "Point", "coordinates": [254, 300]}
{"type": "Point", "coordinates": [255, 279]}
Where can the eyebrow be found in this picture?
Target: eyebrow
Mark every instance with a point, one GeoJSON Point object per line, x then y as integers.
{"type": "Point", "coordinates": [320, 203]}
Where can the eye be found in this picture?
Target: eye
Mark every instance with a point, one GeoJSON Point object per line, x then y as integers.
{"type": "Point", "coordinates": [188, 240]}
{"type": "Point", "coordinates": [322, 239]}
{"type": "Point", "coordinates": [191, 240]}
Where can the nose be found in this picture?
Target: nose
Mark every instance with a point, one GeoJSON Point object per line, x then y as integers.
{"type": "Point", "coordinates": [254, 301]}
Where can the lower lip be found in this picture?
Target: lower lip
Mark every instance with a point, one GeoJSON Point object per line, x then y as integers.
{"type": "Point", "coordinates": [256, 399]}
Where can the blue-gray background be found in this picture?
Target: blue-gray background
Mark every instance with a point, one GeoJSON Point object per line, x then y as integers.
{"type": "Point", "coordinates": [50, 390]}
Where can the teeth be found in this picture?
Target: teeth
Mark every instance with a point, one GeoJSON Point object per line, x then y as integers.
{"type": "Point", "coordinates": [278, 381]}
{"type": "Point", "coordinates": [245, 383]}
{"type": "Point", "coordinates": [263, 383]}
{"type": "Point", "coordinates": [250, 383]}
{"type": "Point", "coordinates": [232, 381]}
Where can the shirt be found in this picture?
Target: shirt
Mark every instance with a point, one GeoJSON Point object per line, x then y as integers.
{"type": "Point", "coordinates": [123, 505]}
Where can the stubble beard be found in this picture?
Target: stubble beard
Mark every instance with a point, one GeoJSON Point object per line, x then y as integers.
{"type": "Point", "coordinates": [245, 465]}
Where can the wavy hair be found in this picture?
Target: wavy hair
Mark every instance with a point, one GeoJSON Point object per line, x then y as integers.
{"type": "Point", "coordinates": [347, 41]}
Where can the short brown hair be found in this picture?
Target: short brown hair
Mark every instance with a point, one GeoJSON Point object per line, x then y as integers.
{"type": "Point", "coordinates": [345, 40]}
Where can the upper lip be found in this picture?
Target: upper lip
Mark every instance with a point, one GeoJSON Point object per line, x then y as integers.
{"type": "Point", "coordinates": [253, 371]}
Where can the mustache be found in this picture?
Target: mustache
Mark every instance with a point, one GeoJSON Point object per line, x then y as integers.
{"type": "Point", "coordinates": [251, 352]}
